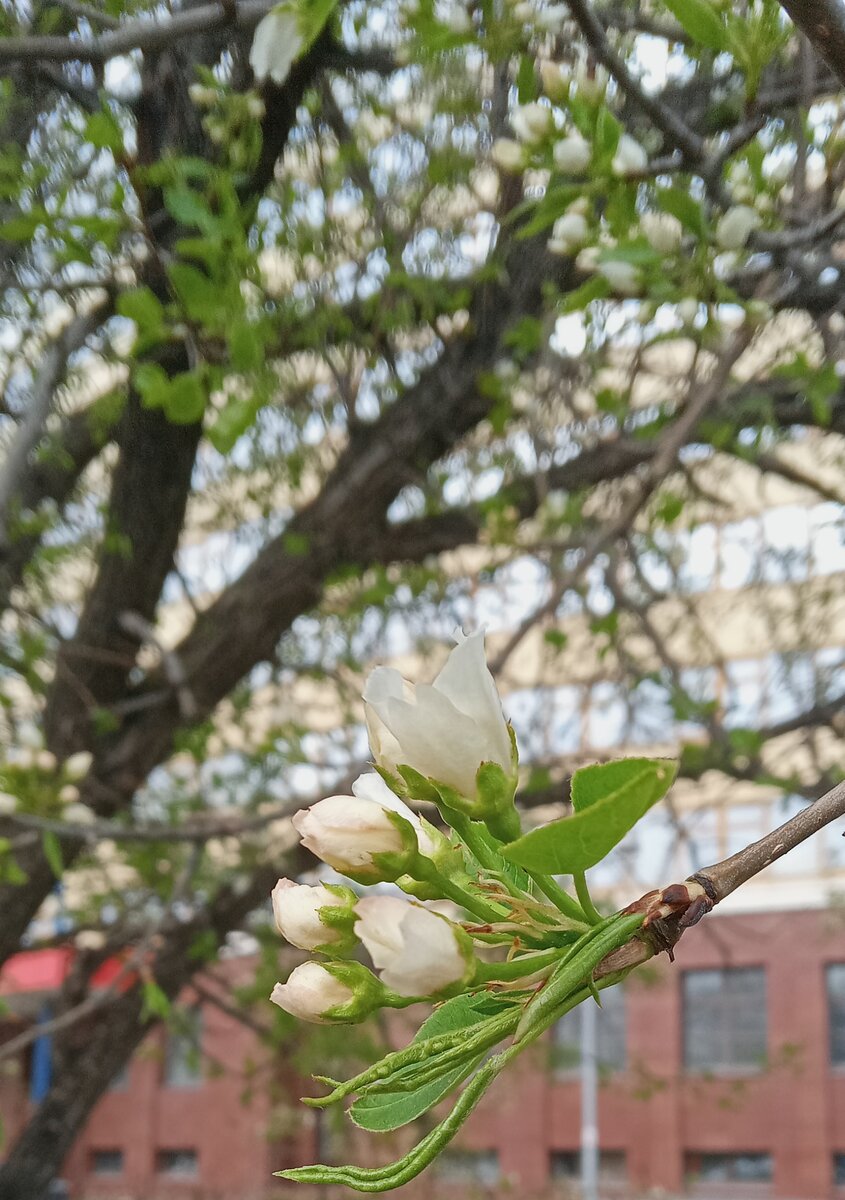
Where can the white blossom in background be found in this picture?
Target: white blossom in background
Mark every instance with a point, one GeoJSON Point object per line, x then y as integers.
{"type": "Point", "coordinates": [622, 276]}
{"type": "Point", "coordinates": [416, 951]}
{"type": "Point", "coordinates": [8, 804]}
{"type": "Point", "coordinates": [444, 730]}
{"type": "Point", "coordinates": [45, 760]}
{"type": "Point", "coordinates": [662, 231]}
{"type": "Point", "coordinates": [296, 908]}
{"type": "Point", "coordinates": [736, 226]}
{"type": "Point", "coordinates": [68, 793]}
{"type": "Point", "coordinates": [78, 765]}
{"type": "Point", "coordinates": [310, 993]}
{"type": "Point", "coordinates": [569, 232]}
{"type": "Point", "coordinates": [552, 18]}
{"type": "Point", "coordinates": [276, 45]}
{"type": "Point", "coordinates": [79, 814]}
{"type": "Point", "coordinates": [508, 154]}
{"type": "Point", "coordinates": [630, 157]}
{"type": "Point", "coordinates": [572, 154]}
{"type": "Point", "coordinates": [556, 79]}
{"type": "Point", "coordinates": [532, 122]}
{"type": "Point", "coordinates": [688, 309]}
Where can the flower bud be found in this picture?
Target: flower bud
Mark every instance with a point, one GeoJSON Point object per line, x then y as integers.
{"type": "Point", "coordinates": [45, 760]}
{"type": "Point", "coordinates": [592, 87]}
{"type": "Point", "coordinates": [572, 154]}
{"type": "Point", "coordinates": [556, 79]}
{"type": "Point", "coordinates": [662, 231]}
{"type": "Point", "coordinates": [531, 122]}
{"type": "Point", "coordinates": [736, 226]}
{"type": "Point", "coordinates": [68, 794]}
{"type": "Point", "coordinates": [312, 918]}
{"type": "Point", "coordinates": [416, 951]}
{"type": "Point", "coordinates": [78, 765]}
{"type": "Point", "coordinates": [630, 157]}
{"type": "Point", "coordinates": [313, 993]}
{"type": "Point", "coordinates": [508, 154]}
{"type": "Point", "coordinates": [622, 276]}
{"type": "Point", "coordinates": [588, 259]}
{"type": "Point", "coordinates": [362, 837]}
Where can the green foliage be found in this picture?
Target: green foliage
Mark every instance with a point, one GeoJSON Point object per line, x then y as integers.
{"type": "Point", "coordinates": [609, 799]}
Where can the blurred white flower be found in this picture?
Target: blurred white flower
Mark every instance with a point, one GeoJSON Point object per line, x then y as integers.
{"type": "Point", "coordinates": [8, 804]}
{"type": "Point", "coordinates": [622, 276]}
{"type": "Point", "coordinates": [568, 233]}
{"type": "Point", "coordinates": [551, 19]}
{"type": "Point", "coordinates": [572, 154]}
{"type": "Point", "coordinates": [736, 226]}
{"type": "Point", "coordinates": [688, 309]}
{"type": "Point", "coordinates": [556, 79]}
{"type": "Point", "coordinates": [508, 154]}
{"type": "Point", "coordinates": [78, 765]}
{"type": "Point", "coordinates": [45, 760]}
{"type": "Point", "coordinates": [416, 951]}
{"type": "Point", "coordinates": [276, 44]}
{"type": "Point", "coordinates": [79, 814]}
{"type": "Point", "coordinates": [630, 157]}
{"type": "Point", "coordinates": [531, 122]}
{"type": "Point", "coordinates": [445, 730]}
{"type": "Point", "coordinates": [662, 231]}
{"type": "Point", "coordinates": [68, 794]}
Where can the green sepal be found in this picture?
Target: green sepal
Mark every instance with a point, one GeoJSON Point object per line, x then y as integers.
{"type": "Point", "coordinates": [417, 786]}
{"type": "Point", "coordinates": [369, 993]}
{"type": "Point", "coordinates": [342, 920]}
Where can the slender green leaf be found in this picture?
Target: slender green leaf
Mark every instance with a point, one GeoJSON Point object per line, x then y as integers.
{"type": "Point", "coordinates": [53, 852]}
{"type": "Point", "coordinates": [701, 21]}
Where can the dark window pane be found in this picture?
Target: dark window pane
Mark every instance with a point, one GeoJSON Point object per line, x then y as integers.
{"type": "Point", "coordinates": [724, 1018]}
{"type": "Point", "coordinates": [746, 1167]}
{"type": "Point", "coordinates": [182, 1059]}
{"type": "Point", "coordinates": [839, 1169]}
{"type": "Point", "coordinates": [469, 1166]}
{"type": "Point", "coordinates": [181, 1163]}
{"type": "Point", "coordinates": [610, 1034]}
{"type": "Point", "coordinates": [106, 1162]}
{"type": "Point", "coordinates": [566, 1164]}
{"type": "Point", "coordinates": [836, 1012]}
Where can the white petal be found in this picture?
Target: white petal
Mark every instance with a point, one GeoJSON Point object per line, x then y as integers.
{"type": "Point", "coordinates": [467, 682]}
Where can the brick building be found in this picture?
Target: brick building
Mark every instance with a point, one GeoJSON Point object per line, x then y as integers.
{"type": "Point", "coordinates": [722, 1076]}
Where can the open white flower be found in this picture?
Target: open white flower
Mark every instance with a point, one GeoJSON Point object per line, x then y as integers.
{"type": "Point", "coordinates": [297, 907]}
{"type": "Point", "coordinates": [444, 730]}
{"type": "Point", "coordinates": [276, 44]}
{"type": "Point", "coordinates": [310, 993]}
{"type": "Point", "coordinates": [416, 951]}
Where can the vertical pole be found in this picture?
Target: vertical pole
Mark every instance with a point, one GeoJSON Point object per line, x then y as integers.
{"type": "Point", "coordinates": [589, 1103]}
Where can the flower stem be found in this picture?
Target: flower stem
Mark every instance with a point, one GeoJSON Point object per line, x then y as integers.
{"type": "Point", "coordinates": [583, 893]}
{"type": "Point", "coordinates": [561, 899]}
{"type": "Point", "coordinates": [516, 968]}
{"type": "Point", "coordinates": [484, 910]}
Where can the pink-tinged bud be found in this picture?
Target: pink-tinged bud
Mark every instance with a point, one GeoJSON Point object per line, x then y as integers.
{"type": "Point", "coordinates": [312, 993]}
{"type": "Point", "coordinates": [300, 910]}
{"type": "Point", "coordinates": [416, 951]}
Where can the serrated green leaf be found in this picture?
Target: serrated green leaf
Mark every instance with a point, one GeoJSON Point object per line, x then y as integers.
{"type": "Point", "coordinates": [53, 852]}
{"type": "Point", "coordinates": [608, 799]}
{"type": "Point", "coordinates": [701, 22]}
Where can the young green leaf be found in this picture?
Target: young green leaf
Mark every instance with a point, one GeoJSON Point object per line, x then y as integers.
{"type": "Point", "coordinates": [608, 799]}
{"type": "Point", "coordinates": [701, 21]}
{"type": "Point", "coordinates": [53, 852]}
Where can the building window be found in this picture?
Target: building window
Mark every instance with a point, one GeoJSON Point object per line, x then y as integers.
{"type": "Point", "coordinates": [746, 1167]}
{"type": "Point", "coordinates": [724, 1019]}
{"type": "Point", "coordinates": [835, 976]}
{"type": "Point", "coordinates": [839, 1170]}
{"type": "Point", "coordinates": [106, 1162]}
{"type": "Point", "coordinates": [566, 1164]}
{"type": "Point", "coordinates": [469, 1166]}
{"type": "Point", "coordinates": [610, 1034]}
{"type": "Point", "coordinates": [177, 1164]}
{"type": "Point", "coordinates": [182, 1058]}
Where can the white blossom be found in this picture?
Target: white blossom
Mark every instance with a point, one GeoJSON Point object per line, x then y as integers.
{"type": "Point", "coordinates": [79, 814]}
{"type": "Point", "coordinates": [568, 233]}
{"type": "Point", "coordinates": [551, 19]}
{"type": "Point", "coordinates": [276, 45]}
{"type": "Point", "coordinates": [556, 79]}
{"type": "Point", "coordinates": [296, 908]}
{"type": "Point", "coordinates": [68, 794]}
{"type": "Point", "coordinates": [630, 157]}
{"type": "Point", "coordinates": [662, 231]}
{"type": "Point", "coordinates": [78, 765]}
{"type": "Point", "coordinates": [688, 309]}
{"type": "Point", "coordinates": [8, 804]}
{"type": "Point", "coordinates": [45, 760]}
{"type": "Point", "coordinates": [310, 992]}
{"type": "Point", "coordinates": [508, 154]}
{"type": "Point", "coordinates": [572, 154]}
{"type": "Point", "coordinates": [415, 950]}
{"type": "Point", "coordinates": [736, 226]}
{"type": "Point", "coordinates": [444, 730]}
{"type": "Point", "coordinates": [531, 122]}
{"type": "Point", "coordinates": [622, 276]}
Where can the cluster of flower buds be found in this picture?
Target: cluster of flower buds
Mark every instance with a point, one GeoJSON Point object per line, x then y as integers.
{"type": "Point", "coordinates": [446, 743]}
